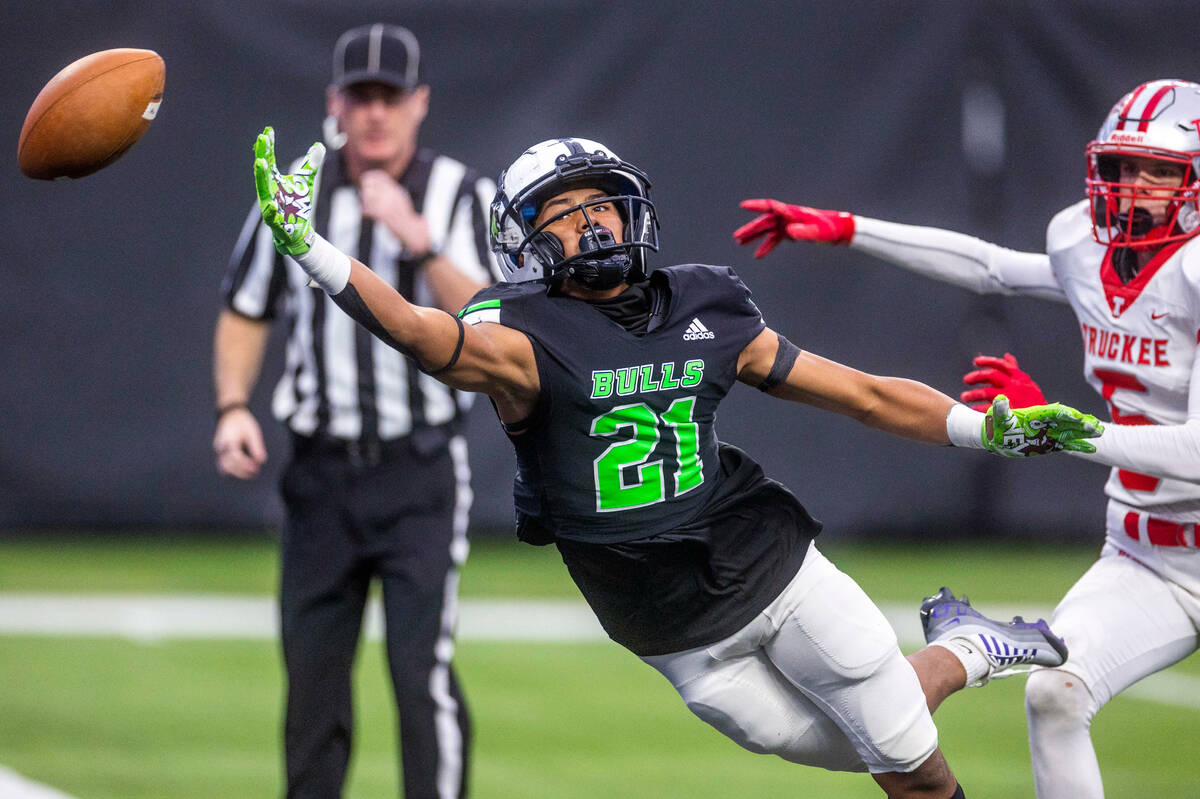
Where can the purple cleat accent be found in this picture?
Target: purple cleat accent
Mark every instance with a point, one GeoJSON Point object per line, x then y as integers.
{"type": "Point", "coordinates": [1004, 644]}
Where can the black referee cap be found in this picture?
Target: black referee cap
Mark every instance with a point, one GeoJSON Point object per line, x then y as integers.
{"type": "Point", "coordinates": [378, 52]}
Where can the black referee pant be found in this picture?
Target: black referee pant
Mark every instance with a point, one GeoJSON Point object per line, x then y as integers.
{"type": "Point", "coordinates": [352, 514]}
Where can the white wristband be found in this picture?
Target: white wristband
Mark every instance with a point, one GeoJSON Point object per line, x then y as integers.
{"type": "Point", "coordinates": [328, 266]}
{"type": "Point", "coordinates": [965, 427]}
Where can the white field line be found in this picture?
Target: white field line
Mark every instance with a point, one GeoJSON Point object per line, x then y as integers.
{"type": "Point", "coordinates": [150, 618]}
{"type": "Point", "coordinates": [14, 786]}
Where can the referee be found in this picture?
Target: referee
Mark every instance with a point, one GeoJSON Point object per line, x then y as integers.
{"type": "Point", "coordinates": [378, 482]}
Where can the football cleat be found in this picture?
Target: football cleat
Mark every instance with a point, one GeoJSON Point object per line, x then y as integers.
{"type": "Point", "coordinates": [1003, 644]}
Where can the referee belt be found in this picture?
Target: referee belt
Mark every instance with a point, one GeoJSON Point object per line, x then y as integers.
{"type": "Point", "coordinates": [1160, 532]}
{"type": "Point", "coordinates": [357, 452]}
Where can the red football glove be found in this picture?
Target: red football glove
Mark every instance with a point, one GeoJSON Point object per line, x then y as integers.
{"type": "Point", "coordinates": [801, 223]}
{"type": "Point", "coordinates": [1000, 376]}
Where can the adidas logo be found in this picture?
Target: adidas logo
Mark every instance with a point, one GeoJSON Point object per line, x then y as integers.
{"type": "Point", "coordinates": [696, 331]}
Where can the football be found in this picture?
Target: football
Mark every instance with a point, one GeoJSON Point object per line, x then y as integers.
{"type": "Point", "coordinates": [90, 113]}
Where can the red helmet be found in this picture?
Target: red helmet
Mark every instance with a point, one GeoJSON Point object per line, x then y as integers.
{"type": "Point", "coordinates": [1160, 121]}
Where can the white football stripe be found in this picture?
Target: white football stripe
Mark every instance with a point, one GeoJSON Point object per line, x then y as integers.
{"type": "Point", "coordinates": [14, 786]}
{"type": "Point", "coordinates": [482, 315]}
{"type": "Point", "coordinates": [156, 618]}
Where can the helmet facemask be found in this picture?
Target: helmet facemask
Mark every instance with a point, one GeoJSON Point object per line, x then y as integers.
{"type": "Point", "coordinates": [1121, 211]}
{"type": "Point", "coordinates": [602, 261]}
{"type": "Point", "coordinates": [527, 250]}
{"type": "Point", "coordinates": [1158, 122]}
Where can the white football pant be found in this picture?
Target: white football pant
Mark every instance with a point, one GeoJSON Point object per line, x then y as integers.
{"type": "Point", "coordinates": [1121, 622]}
{"type": "Point", "coordinates": [817, 678]}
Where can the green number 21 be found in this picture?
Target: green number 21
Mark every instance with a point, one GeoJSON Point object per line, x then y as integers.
{"type": "Point", "coordinates": [637, 431]}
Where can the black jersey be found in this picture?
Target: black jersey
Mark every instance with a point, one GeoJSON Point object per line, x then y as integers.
{"type": "Point", "coordinates": [674, 539]}
{"type": "Point", "coordinates": [622, 443]}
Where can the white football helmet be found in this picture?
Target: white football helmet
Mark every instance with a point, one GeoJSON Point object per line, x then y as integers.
{"type": "Point", "coordinates": [528, 252]}
{"type": "Point", "coordinates": [1159, 120]}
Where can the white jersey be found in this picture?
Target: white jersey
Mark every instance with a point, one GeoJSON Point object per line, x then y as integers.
{"type": "Point", "coordinates": [1140, 351]}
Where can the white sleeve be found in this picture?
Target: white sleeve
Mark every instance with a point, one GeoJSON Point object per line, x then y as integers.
{"type": "Point", "coordinates": [958, 259]}
{"type": "Point", "coordinates": [1169, 450]}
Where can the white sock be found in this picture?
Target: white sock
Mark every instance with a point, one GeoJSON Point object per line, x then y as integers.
{"type": "Point", "coordinates": [970, 656]}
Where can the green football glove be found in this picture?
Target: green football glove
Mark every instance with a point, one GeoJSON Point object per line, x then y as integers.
{"type": "Point", "coordinates": [1037, 430]}
{"type": "Point", "coordinates": [286, 201]}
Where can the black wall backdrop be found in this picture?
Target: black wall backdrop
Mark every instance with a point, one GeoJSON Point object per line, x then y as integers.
{"type": "Point", "coordinates": [967, 114]}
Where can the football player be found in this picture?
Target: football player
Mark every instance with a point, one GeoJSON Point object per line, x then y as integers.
{"type": "Point", "coordinates": [1126, 261]}
{"type": "Point", "coordinates": [607, 379]}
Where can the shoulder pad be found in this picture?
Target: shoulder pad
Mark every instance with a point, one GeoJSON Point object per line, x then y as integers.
{"type": "Point", "coordinates": [485, 305]}
{"type": "Point", "coordinates": [1069, 226]}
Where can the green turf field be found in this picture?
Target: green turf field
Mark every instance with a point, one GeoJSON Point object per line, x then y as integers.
{"type": "Point", "coordinates": [110, 718]}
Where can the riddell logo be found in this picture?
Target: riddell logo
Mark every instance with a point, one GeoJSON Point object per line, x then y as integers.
{"type": "Point", "coordinates": [696, 330]}
{"type": "Point", "coordinates": [1128, 138]}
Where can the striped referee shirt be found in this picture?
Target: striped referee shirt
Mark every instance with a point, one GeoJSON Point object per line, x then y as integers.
{"type": "Point", "coordinates": [339, 380]}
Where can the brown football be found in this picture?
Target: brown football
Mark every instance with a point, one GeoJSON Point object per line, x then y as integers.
{"type": "Point", "coordinates": [90, 113]}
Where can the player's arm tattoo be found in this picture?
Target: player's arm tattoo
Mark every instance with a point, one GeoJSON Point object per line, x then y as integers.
{"type": "Point", "coordinates": [350, 301]}
{"type": "Point", "coordinates": [785, 358]}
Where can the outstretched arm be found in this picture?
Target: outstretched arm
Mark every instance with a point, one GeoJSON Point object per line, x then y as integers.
{"type": "Point", "coordinates": [488, 358]}
{"type": "Point", "coordinates": [1167, 450]}
{"type": "Point", "coordinates": [944, 255]}
{"type": "Point", "coordinates": [893, 404]}
{"type": "Point", "coordinates": [1170, 451]}
{"type": "Point", "coordinates": [1162, 450]}
{"type": "Point", "coordinates": [908, 408]}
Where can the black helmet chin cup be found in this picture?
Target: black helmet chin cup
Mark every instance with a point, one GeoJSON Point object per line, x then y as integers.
{"type": "Point", "coordinates": [1136, 224]}
{"type": "Point", "coordinates": [1132, 224]}
{"type": "Point", "coordinates": [601, 261]}
{"type": "Point", "coordinates": [600, 273]}
{"type": "Point", "coordinates": [608, 265]}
